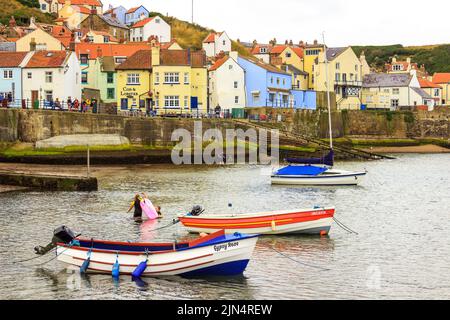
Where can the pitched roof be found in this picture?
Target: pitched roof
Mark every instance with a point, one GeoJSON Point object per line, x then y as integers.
{"type": "Point", "coordinates": [48, 59]}
{"type": "Point", "coordinates": [210, 38]}
{"type": "Point", "coordinates": [219, 63]}
{"type": "Point", "coordinates": [278, 49]}
{"type": "Point", "coordinates": [441, 78]}
{"type": "Point", "coordinates": [142, 23]}
{"type": "Point", "coordinates": [290, 68]}
{"type": "Point", "coordinates": [181, 58]}
{"type": "Point", "coordinates": [375, 80]}
{"type": "Point", "coordinates": [131, 10]}
{"type": "Point", "coordinates": [141, 60]}
{"type": "Point", "coordinates": [108, 64]}
{"type": "Point", "coordinates": [11, 59]}
{"type": "Point", "coordinates": [257, 49]}
{"type": "Point", "coordinates": [424, 83]}
{"type": "Point", "coordinates": [109, 49]}
{"type": "Point", "coordinates": [167, 45]}
{"type": "Point", "coordinates": [112, 21]}
{"type": "Point", "coordinates": [422, 93]}
{"type": "Point", "coordinates": [265, 66]}
{"type": "Point", "coordinates": [333, 53]}
{"type": "Point", "coordinates": [105, 34]}
{"type": "Point", "coordinates": [82, 9]}
{"type": "Point", "coordinates": [95, 3]}
{"type": "Point", "coordinates": [298, 51]}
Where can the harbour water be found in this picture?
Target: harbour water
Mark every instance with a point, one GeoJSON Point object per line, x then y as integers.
{"type": "Point", "coordinates": [401, 212]}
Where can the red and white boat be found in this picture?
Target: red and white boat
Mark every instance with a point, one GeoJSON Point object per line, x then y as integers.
{"type": "Point", "coordinates": [315, 221]}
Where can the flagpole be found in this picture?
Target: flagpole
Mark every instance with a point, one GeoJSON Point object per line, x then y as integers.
{"type": "Point", "coordinates": [328, 90]}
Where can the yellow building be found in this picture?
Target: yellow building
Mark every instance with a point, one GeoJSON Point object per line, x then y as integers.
{"type": "Point", "coordinates": [165, 81]}
{"type": "Point", "coordinates": [345, 75]}
{"type": "Point", "coordinates": [284, 54]}
{"type": "Point", "coordinates": [41, 40]}
{"type": "Point", "coordinates": [134, 82]}
{"type": "Point", "coordinates": [310, 55]}
{"type": "Point", "coordinates": [94, 36]}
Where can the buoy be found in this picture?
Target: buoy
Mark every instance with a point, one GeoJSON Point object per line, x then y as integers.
{"type": "Point", "coordinates": [137, 273]}
{"type": "Point", "coordinates": [116, 268]}
{"type": "Point", "coordinates": [323, 233]}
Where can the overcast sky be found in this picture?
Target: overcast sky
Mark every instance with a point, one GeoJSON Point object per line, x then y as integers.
{"type": "Point", "coordinates": [345, 22]}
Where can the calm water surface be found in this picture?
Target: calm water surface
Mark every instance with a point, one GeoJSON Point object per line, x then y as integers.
{"type": "Point", "coordinates": [401, 212]}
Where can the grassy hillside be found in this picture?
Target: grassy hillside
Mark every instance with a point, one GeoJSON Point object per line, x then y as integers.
{"type": "Point", "coordinates": [191, 35]}
{"type": "Point", "coordinates": [436, 58]}
{"type": "Point", "coordinates": [22, 10]}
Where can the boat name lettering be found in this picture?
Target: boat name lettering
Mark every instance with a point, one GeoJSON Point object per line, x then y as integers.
{"type": "Point", "coordinates": [319, 213]}
{"type": "Point", "coordinates": [225, 246]}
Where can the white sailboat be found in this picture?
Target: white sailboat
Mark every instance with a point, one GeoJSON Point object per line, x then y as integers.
{"type": "Point", "coordinates": [318, 171]}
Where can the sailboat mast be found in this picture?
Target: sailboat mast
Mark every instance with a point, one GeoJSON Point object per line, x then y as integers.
{"type": "Point", "coordinates": [328, 91]}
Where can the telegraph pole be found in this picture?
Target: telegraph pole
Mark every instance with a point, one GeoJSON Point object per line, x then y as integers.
{"type": "Point", "coordinates": [192, 11]}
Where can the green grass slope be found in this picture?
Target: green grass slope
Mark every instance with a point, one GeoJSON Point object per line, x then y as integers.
{"type": "Point", "coordinates": [22, 10]}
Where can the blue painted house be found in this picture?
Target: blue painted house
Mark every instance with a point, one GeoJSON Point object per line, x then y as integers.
{"type": "Point", "coordinates": [136, 14]}
{"type": "Point", "coordinates": [117, 12]}
{"type": "Point", "coordinates": [268, 86]}
{"type": "Point", "coordinates": [11, 64]}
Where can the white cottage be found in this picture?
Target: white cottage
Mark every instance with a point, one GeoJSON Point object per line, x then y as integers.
{"type": "Point", "coordinates": [52, 75]}
{"type": "Point", "coordinates": [154, 26]}
{"type": "Point", "coordinates": [227, 84]}
{"type": "Point", "coordinates": [216, 43]}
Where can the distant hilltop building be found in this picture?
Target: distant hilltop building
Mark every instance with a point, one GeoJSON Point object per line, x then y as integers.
{"type": "Point", "coordinates": [215, 43]}
{"type": "Point", "coordinates": [54, 6]}
{"type": "Point", "coordinates": [405, 66]}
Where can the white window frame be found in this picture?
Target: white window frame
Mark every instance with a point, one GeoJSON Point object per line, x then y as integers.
{"type": "Point", "coordinates": [186, 78]}
{"type": "Point", "coordinates": [396, 91]}
{"type": "Point", "coordinates": [133, 79]}
{"type": "Point", "coordinates": [48, 76]}
{"type": "Point", "coordinates": [7, 74]}
{"type": "Point", "coordinates": [156, 77]}
{"type": "Point", "coordinates": [172, 102]}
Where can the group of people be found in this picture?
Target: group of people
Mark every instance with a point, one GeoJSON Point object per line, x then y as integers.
{"type": "Point", "coordinates": [137, 205]}
{"type": "Point", "coordinates": [84, 106]}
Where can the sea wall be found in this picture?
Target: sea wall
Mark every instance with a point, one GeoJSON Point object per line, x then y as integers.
{"type": "Point", "coordinates": [34, 125]}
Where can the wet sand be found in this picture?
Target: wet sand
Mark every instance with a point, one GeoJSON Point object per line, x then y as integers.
{"type": "Point", "coordinates": [5, 189]}
{"type": "Point", "coordinates": [429, 148]}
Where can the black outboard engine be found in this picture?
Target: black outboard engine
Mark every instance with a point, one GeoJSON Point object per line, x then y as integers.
{"type": "Point", "coordinates": [196, 211]}
{"type": "Point", "coordinates": [62, 234]}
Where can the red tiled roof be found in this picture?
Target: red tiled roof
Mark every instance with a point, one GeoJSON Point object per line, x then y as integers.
{"type": "Point", "coordinates": [210, 38]}
{"type": "Point", "coordinates": [424, 83]}
{"type": "Point", "coordinates": [11, 59]}
{"type": "Point", "coordinates": [83, 10]}
{"type": "Point", "coordinates": [167, 45]}
{"type": "Point", "coordinates": [142, 22]}
{"type": "Point", "coordinates": [257, 48]}
{"type": "Point", "coordinates": [278, 49]}
{"type": "Point", "coordinates": [48, 59]}
{"type": "Point", "coordinates": [109, 49]}
{"type": "Point", "coordinates": [219, 63]}
{"type": "Point", "coordinates": [141, 60]}
{"type": "Point", "coordinates": [298, 51]}
{"type": "Point", "coordinates": [95, 3]}
{"type": "Point", "coordinates": [181, 58]}
{"type": "Point", "coordinates": [441, 78]}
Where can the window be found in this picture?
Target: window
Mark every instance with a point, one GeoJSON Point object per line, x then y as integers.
{"type": "Point", "coordinates": [278, 80]}
{"type": "Point", "coordinates": [49, 77]}
{"type": "Point", "coordinates": [7, 74]}
{"type": "Point", "coordinates": [236, 99]}
{"type": "Point", "coordinates": [288, 54]}
{"type": "Point", "coordinates": [312, 52]}
{"type": "Point", "coordinates": [397, 67]}
{"type": "Point", "coordinates": [90, 38]}
{"type": "Point", "coordinates": [344, 77]}
{"type": "Point", "coordinates": [110, 77]}
{"type": "Point", "coordinates": [157, 78]}
{"type": "Point", "coordinates": [356, 68]}
{"type": "Point", "coordinates": [158, 20]}
{"type": "Point", "coordinates": [396, 91]}
{"type": "Point", "coordinates": [186, 102]}
{"type": "Point", "coordinates": [157, 102]}
{"type": "Point", "coordinates": [171, 101]}
{"type": "Point", "coordinates": [110, 93]}
{"type": "Point", "coordinates": [84, 59]}
{"type": "Point", "coordinates": [271, 79]}
{"type": "Point", "coordinates": [133, 79]}
{"type": "Point", "coordinates": [105, 39]}
{"type": "Point", "coordinates": [186, 78]}
{"type": "Point", "coordinates": [436, 93]}
{"type": "Point", "coordinates": [255, 97]}
{"type": "Point", "coordinates": [230, 67]}
{"type": "Point", "coordinates": [44, 7]}
{"type": "Point", "coordinates": [29, 75]}
{"type": "Point", "coordinates": [171, 77]}
{"type": "Point", "coordinates": [120, 60]}
{"type": "Point", "coordinates": [394, 103]}
{"type": "Point", "coordinates": [284, 82]}
{"type": "Point", "coordinates": [338, 77]}
{"type": "Point", "coordinates": [235, 84]}
{"type": "Point", "coordinates": [271, 97]}
{"type": "Point", "coordinates": [84, 77]}
{"type": "Point", "coordinates": [369, 99]}
{"type": "Point", "coordinates": [338, 66]}
{"type": "Point", "coordinates": [263, 50]}
{"type": "Point", "coordinates": [48, 95]}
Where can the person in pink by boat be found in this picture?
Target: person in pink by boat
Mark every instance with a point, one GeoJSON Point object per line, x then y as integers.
{"type": "Point", "coordinates": [149, 209]}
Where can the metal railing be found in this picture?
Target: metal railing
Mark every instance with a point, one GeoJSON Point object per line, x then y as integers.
{"type": "Point", "coordinates": [278, 103]}
{"type": "Point", "coordinates": [352, 83]}
{"type": "Point", "coordinates": [47, 105]}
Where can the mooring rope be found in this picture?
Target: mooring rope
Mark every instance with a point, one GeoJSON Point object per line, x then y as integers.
{"type": "Point", "coordinates": [344, 227]}
{"type": "Point", "coordinates": [299, 262]}
{"type": "Point", "coordinates": [174, 222]}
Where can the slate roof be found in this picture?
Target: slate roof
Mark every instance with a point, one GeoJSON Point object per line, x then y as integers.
{"type": "Point", "coordinates": [422, 93]}
{"type": "Point", "coordinates": [333, 53]}
{"type": "Point", "coordinates": [375, 80]}
{"type": "Point", "coordinates": [268, 67]}
{"type": "Point", "coordinates": [113, 21]}
{"type": "Point", "coordinates": [294, 70]}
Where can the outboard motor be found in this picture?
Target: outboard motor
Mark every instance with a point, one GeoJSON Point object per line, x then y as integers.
{"type": "Point", "coordinates": [62, 234]}
{"type": "Point", "coordinates": [196, 211]}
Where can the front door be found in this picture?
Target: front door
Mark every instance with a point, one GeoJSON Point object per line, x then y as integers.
{"type": "Point", "coordinates": [124, 104]}
{"type": "Point", "coordinates": [34, 99]}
